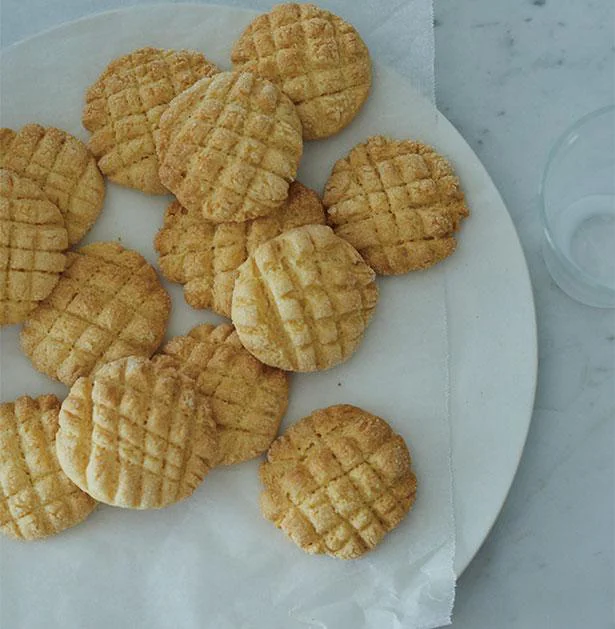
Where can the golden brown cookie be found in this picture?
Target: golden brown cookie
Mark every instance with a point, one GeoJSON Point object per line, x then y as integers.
{"type": "Point", "coordinates": [248, 399]}
{"type": "Point", "coordinates": [123, 109]}
{"type": "Point", "coordinates": [229, 146]}
{"type": "Point", "coordinates": [33, 240]}
{"type": "Point", "coordinates": [205, 256]}
{"type": "Point", "coordinates": [36, 498]}
{"type": "Point", "coordinates": [63, 167]}
{"type": "Point", "coordinates": [108, 304]}
{"type": "Point", "coordinates": [317, 58]}
{"type": "Point", "coordinates": [338, 481]}
{"type": "Point", "coordinates": [397, 202]}
{"type": "Point", "coordinates": [302, 300]}
{"type": "Point", "coordinates": [136, 435]}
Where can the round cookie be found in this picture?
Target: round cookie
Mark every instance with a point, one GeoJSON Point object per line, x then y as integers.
{"type": "Point", "coordinates": [33, 240]}
{"type": "Point", "coordinates": [302, 300]}
{"type": "Point", "coordinates": [338, 481]}
{"type": "Point", "coordinates": [229, 146]}
{"type": "Point", "coordinates": [248, 399]}
{"type": "Point", "coordinates": [205, 256]}
{"type": "Point", "coordinates": [136, 435]}
{"type": "Point", "coordinates": [123, 108]}
{"type": "Point", "coordinates": [317, 58]}
{"type": "Point", "coordinates": [63, 167]}
{"type": "Point", "coordinates": [397, 202]}
{"type": "Point", "coordinates": [108, 304]}
{"type": "Point", "coordinates": [36, 498]}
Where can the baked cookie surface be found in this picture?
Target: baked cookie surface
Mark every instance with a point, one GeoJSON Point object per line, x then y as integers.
{"type": "Point", "coordinates": [205, 256]}
{"type": "Point", "coordinates": [338, 481]}
{"type": "Point", "coordinates": [136, 435]}
{"type": "Point", "coordinates": [398, 202]}
{"type": "Point", "coordinates": [37, 499]}
{"type": "Point", "coordinates": [108, 304]}
{"type": "Point", "coordinates": [64, 169]}
{"type": "Point", "coordinates": [33, 241]}
{"type": "Point", "coordinates": [317, 58]}
{"type": "Point", "coordinates": [123, 109]}
{"type": "Point", "coordinates": [303, 300]}
{"type": "Point", "coordinates": [248, 399]}
{"type": "Point", "coordinates": [229, 146]}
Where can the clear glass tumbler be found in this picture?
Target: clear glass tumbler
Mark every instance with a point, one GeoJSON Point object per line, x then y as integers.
{"type": "Point", "coordinates": [577, 198]}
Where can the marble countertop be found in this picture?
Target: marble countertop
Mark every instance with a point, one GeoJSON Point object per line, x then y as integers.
{"type": "Point", "coordinates": [511, 76]}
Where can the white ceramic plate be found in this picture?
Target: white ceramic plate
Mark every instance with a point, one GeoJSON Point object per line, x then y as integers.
{"type": "Point", "coordinates": [492, 335]}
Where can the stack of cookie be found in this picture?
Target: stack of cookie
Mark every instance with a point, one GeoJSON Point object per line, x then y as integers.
{"type": "Point", "coordinates": [142, 426]}
{"type": "Point", "coordinates": [51, 193]}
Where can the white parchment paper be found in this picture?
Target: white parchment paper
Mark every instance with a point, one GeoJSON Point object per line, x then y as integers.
{"type": "Point", "coordinates": [213, 561]}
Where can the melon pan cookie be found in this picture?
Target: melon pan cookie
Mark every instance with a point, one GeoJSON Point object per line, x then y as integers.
{"type": "Point", "coordinates": [123, 109]}
{"type": "Point", "coordinates": [108, 304]}
{"type": "Point", "coordinates": [136, 434]}
{"type": "Point", "coordinates": [338, 481]}
{"type": "Point", "coordinates": [303, 300]}
{"type": "Point", "coordinates": [316, 58]}
{"type": "Point", "coordinates": [64, 169]}
{"type": "Point", "coordinates": [248, 399]}
{"type": "Point", "coordinates": [398, 202]}
{"type": "Point", "coordinates": [229, 146]}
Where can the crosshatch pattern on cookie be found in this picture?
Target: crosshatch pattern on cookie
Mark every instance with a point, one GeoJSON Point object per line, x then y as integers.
{"type": "Point", "coordinates": [317, 58]}
{"type": "Point", "coordinates": [205, 256]}
{"type": "Point", "coordinates": [398, 202]}
{"type": "Point", "coordinates": [248, 399]}
{"type": "Point", "coordinates": [33, 240]}
{"type": "Point", "coordinates": [36, 498]}
{"type": "Point", "coordinates": [123, 109]}
{"type": "Point", "coordinates": [302, 301]}
{"type": "Point", "coordinates": [109, 303]}
{"type": "Point", "coordinates": [136, 435]}
{"type": "Point", "coordinates": [229, 146]}
{"type": "Point", "coordinates": [338, 481]}
{"type": "Point", "coordinates": [63, 167]}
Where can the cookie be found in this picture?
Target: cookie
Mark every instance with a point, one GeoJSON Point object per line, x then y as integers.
{"type": "Point", "coordinates": [136, 435]}
{"type": "Point", "coordinates": [36, 498]}
{"type": "Point", "coordinates": [205, 256]}
{"type": "Point", "coordinates": [397, 202]}
{"type": "Point", "coordinates": [108, 304]}
{"type": "Point", "coordinates": [123, 109]}
{"type": "Point", "coordinates": [338, 481]}
{"type": "Point", "coordinates": [63, 167]}
{"type": "Point", "coordinates": [302, 300]}
{"type": "Point", "coordinates": [33, 240]}
{"type": "Point", "coordinates": [317, 58]}
{"type": "Point", "coordinates": [229, 146]}
{"type": "Point", "coordinates": [248, 399]}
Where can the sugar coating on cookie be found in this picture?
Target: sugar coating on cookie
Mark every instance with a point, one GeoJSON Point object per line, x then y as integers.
{"type": "Point", "coordinates": [37, 499]}
{"type": "Point", "coordinates": [248, 399]}
{"type": "Point", "coordinates": [338, 481]}
{"type": "Point", "coordinates": [108, 304]}
{"type": "Point", "coordinates": [123, 109]}
{"type": "Point", "coordinates": [205, 256]}
{"type": "Point", "coordinates": [33, 241]}
{"type": "Point", "coordinates": [303, 300]}
{"type": "Point", "coordinates": [229, 146]}
{"type": "Point", "coordinates": [317, 58]}
{"type": "Point", "coordinates": [398, 202]}
{"type": "Point", "coordinates": [136, 435]}
{"type": "Point", "coordinates": [63, 167]}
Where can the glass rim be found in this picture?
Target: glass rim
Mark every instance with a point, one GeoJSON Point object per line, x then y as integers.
{"type": "Point", "coordinates": [555, 149]}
